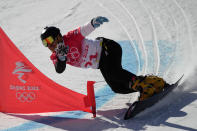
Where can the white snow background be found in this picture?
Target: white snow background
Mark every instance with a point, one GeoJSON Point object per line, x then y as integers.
{"type": "Point", "coordinates": [163, 32]}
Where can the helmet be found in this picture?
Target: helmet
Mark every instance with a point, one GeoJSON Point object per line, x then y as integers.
{"type": "Point", "coordinates": [49, 34]}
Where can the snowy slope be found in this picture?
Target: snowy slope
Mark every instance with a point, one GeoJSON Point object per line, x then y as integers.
{"type": "Point", "coordinates": [162, 31]}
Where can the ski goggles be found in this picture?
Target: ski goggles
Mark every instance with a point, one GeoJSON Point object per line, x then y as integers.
{"type": "Point", "coordinates": [48, 41]}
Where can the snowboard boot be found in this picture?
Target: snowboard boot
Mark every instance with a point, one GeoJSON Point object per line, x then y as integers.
{"type": "Point", "coordinates": [150, 86]}
{"type": "Point", "coordinates": [135, 82]}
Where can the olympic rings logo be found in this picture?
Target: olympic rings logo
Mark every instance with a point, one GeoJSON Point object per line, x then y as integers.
{"type": "Point", "coordinates": [25, 96]}
{"type": "Point", "coordinates": [73, 55]}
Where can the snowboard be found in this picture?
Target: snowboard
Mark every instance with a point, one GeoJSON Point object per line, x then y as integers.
{"type": "Point", "coordinates": [139, 106]}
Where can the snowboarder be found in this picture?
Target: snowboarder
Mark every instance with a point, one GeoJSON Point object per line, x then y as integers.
{"type": "Point", "coordinates": [102, 53]}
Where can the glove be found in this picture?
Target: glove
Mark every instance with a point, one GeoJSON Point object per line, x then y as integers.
{"type": "Point", "coordinates": [61, 51]}
{"type": "Point", "coordinates": [96, 22]}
